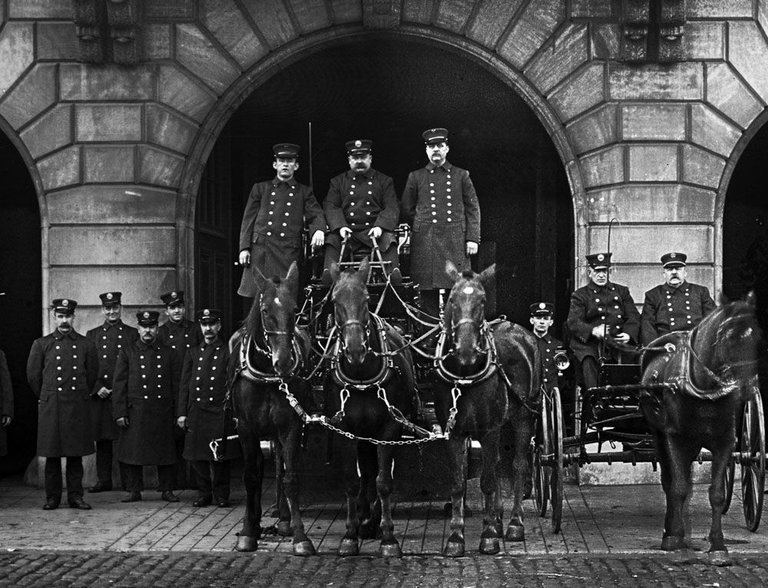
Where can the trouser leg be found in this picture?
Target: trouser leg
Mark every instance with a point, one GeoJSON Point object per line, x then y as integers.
{"type": "Point", "coordinates": [53, 480]}
{"type": "Point", "coordinates": [104, 461]}
{"type": "Point", "coordinates": [203, 474]}
{"type": "Point", "coordinates": [165, 477]}
{"type": "Point", "coordinates": [134, 477]}
{"type": "Point", "coordinates": [74, 477]}
{"type": "Point", "coordinates": [221, 477]}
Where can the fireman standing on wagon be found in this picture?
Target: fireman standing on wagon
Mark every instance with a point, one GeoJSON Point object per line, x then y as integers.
{"type": "Point", "coordinates": [440, 204]}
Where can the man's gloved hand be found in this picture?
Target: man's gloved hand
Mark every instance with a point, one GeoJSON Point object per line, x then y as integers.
{"type": "Point", "coordinates": [245, 257]}
{"type": "Point", "coordinates": [122, 422]}
{"type": "Point", "coordinates": [345, 233]}
{"type": "Point", "coordinates": [375, 232]}
{"type": "Point", "coordinates": [318, 239]}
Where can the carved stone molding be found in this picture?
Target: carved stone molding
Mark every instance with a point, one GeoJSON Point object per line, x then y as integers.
{"type": "Point", "coordinates": [381, 14]}
{"type": "Point", "coordinates": [108, 30]}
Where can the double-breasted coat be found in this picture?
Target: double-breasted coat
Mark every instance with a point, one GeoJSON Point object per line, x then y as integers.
{"type": "Point", "coordinates": [592, 305]}
{"type": "Point", "coordinates": [61, 371]}
{"type": "Point", "coordinates": [667, 309]}
{"type": "Point", "coordinates": [6, 400]}
{"type": "Point", "coordinates": [201, 397]}
{"type": "Point", "coordinates": [548, 345]}
{"type": "Point", "coordinates": [362, 201]}
{"type": "Point", "coordinates": [273, 221]}
{"type": "Point", "coordinates": [146, 385]}
{"type": "Point", "coordinates": [109, 339]}
{"type": "Point", "coordinates": [179, 336]}
{"type": "Point", "coordinates": [441, 206]}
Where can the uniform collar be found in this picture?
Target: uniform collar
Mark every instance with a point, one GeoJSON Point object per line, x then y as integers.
{"type": "Point", "coordinates": [107, 325]}
{"type": "Point", "coordinates": [595, 288]}
{"type": "Point", "coordinates": [146, 346]}
{"type": "Point", "coordinates": [684, 287]}
{"type": "Point", "coordinates": [58, 335]}
{"type": "Point", "coordinates": [277, 181]}
{"type": "Point", "coordinates": [217, 342]}
{"type": "Point", "coordinates": [352, 174]}
{"type": "Point", "coordinates": [446, 166]}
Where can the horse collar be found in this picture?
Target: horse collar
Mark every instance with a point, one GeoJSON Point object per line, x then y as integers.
{"type": "Point", "coordinates": [489, 366]}
{"type": "Point", "coordinates": [385, 371]}
{"type": "Point", "coordinates": [248, 370]}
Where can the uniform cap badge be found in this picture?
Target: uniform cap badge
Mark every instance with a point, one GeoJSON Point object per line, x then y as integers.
{"type": "Point", "coordinates": [600, 257]}
{"type": "Point", "coordinates": [110, 296]}
{"type": "Point", "coordinates": [358, 143]}
{"type": "Point", "coordinates": [65, 302]}
{"type": "Point", "coordinates": [542, 305]}
{"type": "Point", "coordinates": [146, 315]}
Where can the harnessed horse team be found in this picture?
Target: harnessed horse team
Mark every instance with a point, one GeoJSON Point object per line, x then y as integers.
{"type": "Point", "coordinates": [487, 375]}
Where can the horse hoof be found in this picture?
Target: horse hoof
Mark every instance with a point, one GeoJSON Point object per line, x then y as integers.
{"type": "Point", "coordinates": [349, 547]}
{"type": "Point", "coordinates": [719, 558]}
{"type": "Point", "coordinates": [284, 528]}
{"type": "Point", "coordinates": [245, 543]}
{"type": "Point", "coordinates": [390, 550]}
{"type": "Point", "coordinates": [453, 549]}
{"type": "Point", "coordinates": [303, 548]}
{"type": "Point", "coordinates": [672, 543]}
{"type": "Point", "coordinates": [515, 533]}
{"type": "Point", "coordinates": [489, 545]}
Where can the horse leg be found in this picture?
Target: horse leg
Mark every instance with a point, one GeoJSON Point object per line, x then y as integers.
{"type": "Point", "coordinates": [367, 465]}
{"type": "Point", "coordinates": [291, 448]}
{"type": "Point", "coordinates": [253, 474]}
{"type": "Point", "coordinates": [720, 458]}
{"type": "Point", "coordinates": [281, 503]}
{"type": "Point", "coordinates": [389, 546]}
{"type": "Point", "coordinates": [350, 544]}
{"type": "Point", "coordinates": [520, 473]}
{"type": "Point", "coordinates": [489, 539]}
{"type": "Point", "coordinates": [457, 458]}
{"type": "Point", "coordinates": [678, 458]}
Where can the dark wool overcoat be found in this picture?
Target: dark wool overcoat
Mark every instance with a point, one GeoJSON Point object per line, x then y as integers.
{"type": "Point", "coordinates": [668, 309]}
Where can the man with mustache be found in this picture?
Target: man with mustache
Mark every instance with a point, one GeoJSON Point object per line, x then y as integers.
{"type": "Point", "coordinates": [61, 370]}
{"type": "Point", "coordinates": [361, 205]}
{"type": "Point", "coordinates": [602, 314]}
{"type": "Point", "coordinates": [440, 204]}
{"type": "Point", "coordinates": [144, 392]}
{"type": "Point", "coordinates": [273, 221]}
{"type": "Point", "coordinates": [675, 305]}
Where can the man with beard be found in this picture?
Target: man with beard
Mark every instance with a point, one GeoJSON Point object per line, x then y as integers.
{"type": "Point", "coordinates": [273, 221]}
{"type": "Point", "coordinates": [602, 317]}
{"type": "Point", "coordinates": [109, 338]}
{"type": "Point", "coordinates": [201, 409]}
{"type": "Point", "coordinates": [440, 204]}
{"type": "Point", "coordinates": [675, 305]}
{"type": "Point", "coordinates": [143, 405]}
{"type": "Point", "coordinates": [61, 370]}
{"type": "Point", "coordinates": [361, 205]}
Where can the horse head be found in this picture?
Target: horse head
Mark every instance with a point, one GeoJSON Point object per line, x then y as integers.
{"type": "Point", "coordinates": [734, 341]}
{"type": "Point", "coordinates": [272, 318]}
{"type": "Point", "coordinates": [350, 310]}
{"type": "Point", "coordinates": [464, 313]}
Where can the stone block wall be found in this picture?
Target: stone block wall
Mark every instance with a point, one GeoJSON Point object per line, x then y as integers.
{"type": "Point", "coordinates": [117, 151]}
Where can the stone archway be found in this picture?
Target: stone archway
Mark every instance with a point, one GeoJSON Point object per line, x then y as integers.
{"type": "Point", "coordinates": [460, 51]}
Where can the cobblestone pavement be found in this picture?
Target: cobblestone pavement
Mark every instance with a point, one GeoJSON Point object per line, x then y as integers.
{"type": "Point", "coordinates": [40, 568]}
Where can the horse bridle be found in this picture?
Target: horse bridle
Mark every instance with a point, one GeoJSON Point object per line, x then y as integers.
{"type": "Point", "coordinates": [365, 327]}
{"type": "Point", "coordinates": [483, 333]}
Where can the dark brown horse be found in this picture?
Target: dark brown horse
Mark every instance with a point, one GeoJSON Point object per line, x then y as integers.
{"type": "Point", "coordinates": [369, 393]}
{"type": "Point", "coordinates": [714, 371]}
{"type": "Point", "coordinates": [264, 370]}
{"type": "Point", "coordinates": [489, 374]}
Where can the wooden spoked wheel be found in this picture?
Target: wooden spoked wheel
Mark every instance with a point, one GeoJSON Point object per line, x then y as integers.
{"type": "Point", "coordinates": [752, 449]}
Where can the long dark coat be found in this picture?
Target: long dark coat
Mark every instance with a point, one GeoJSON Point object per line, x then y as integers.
{"type": "Point", "coordinates": [592, 305]}
{"type": "Point", "coordinates": [441, 206]}
{"type": "Point", "coordinates": [179, 336]}
{"type": "Point", "coordinates": [109, 340]}
{"type": "Point", "coordinates": [201, 397]}
{"type": "Point", "coordinates": [145, 388]}
{"type": "Point", "coordinates": [548, 345]}
{"type": "Point", "coordinates": [272, 226]}
{"type": "Point", "coordinates": [61, 370]}
{"type": "Point", "coordinates": [667, 309]}
{"type": "Point", "coordinates": [6, 400]}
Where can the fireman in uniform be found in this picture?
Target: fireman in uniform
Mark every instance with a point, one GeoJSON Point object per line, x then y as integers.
{"type": "Point", "coordinates": [144, 394]}
{"type": "Point", "coordinates": [109, 337]}
{"type": "Point", "coordinates": [61, 370]}
{"type": "Point", "coordinates": [201, 409]}
{"type": "Point", "coordinates": [440, 204]}
{"type": "Point", "coordinates": [675, 305]}
{"type": "Point", "coordinates": [361, 204]}
{"type": "Point", "coordinates": [601, 315]}
{"type": "Point", "coordinates": [177, 332]}
{"type": "Point", "coordinates": [273, 221]}
{"type": "Point", "coordinates": [541, 321]}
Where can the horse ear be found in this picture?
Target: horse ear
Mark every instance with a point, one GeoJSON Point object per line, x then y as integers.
{"type": "Point", "coordinates": [451, 270]}
{"type": "Point", "coordinates": [292, 279]}
{"type": "Point", "coordinates": [364, 269]}
{"type": "Point", "coordinates": [335, 272]}
{"type": "Point", "coordinates": [261, 279]}
{"type": "Point", "coordinates": [751, 299]}
{"type": "Point", "coordinates": [488, 276]}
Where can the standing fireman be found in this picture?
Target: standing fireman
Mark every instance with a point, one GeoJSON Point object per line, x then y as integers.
{"type": "Point", "coordinates": [6, 402]}
{"type": "Point", "coordinates": [541, 321]}
{"type": "Point", "coordinates": [61, 370]}
{"type": "Point", "coordinates": [143, 404]}
{"type": "Point", "coordinates": [109, 337]}
{"type": "Point", "coordinates": [273, 221]}
{"type": "Point", "coordinates": [440, 204]}
{"type": "Point", "coordinates": [177, 332]}
{"type": "Point", "coordinates": [201, 409]}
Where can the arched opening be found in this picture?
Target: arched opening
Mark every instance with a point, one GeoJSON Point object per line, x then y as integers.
{"type": "Point", "coordinates": [390, 90]}
{"type": "Point", "coordinates": [21, 283]}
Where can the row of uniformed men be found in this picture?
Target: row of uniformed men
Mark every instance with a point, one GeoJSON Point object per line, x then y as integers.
{"type": "Point", "coordinates": [141, 386]}
{"type": "Point", "coordinates": [603, 311]}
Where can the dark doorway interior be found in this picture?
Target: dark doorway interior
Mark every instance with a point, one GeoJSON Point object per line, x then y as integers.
{"type": "Point", "coordinates": [21, 281]}
{"type": "Point", "coordinates": [390, 90]}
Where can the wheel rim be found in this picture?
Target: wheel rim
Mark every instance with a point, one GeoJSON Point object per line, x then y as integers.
{"type": "Point", "coordinates": [540, 471]}
{"type": "Point", "coordinates": [753, 461]}
{"type": "Point", "coordinates": [556, 478]}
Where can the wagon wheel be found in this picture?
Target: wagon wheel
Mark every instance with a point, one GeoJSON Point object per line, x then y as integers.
{"type": "Point", "coordinates": [752, 448]}
{"type": "Point", "coordinates": [542, 447]}
{"type": "Point", "coordinates": [556, 473]}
